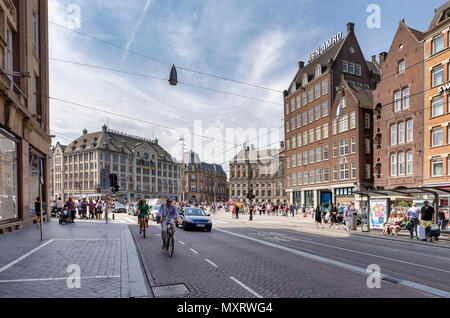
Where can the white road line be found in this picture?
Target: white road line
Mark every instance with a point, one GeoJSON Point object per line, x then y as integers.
{"type": "Point", "coordinates": [211, 263]}
{"type": "Point", "coordinates": [182, 243]}
{"type": "Point", "coordinates": [52, 279]}
{"type": "Point", "coordinates": [194, 251]}
{"type": "Point", "coordinates": [4, 268]}
{"type": "Point", "coordinates": [420, 287]}
{"type": "Point", "coordinates": [247, 288]}
{"type": "Point", "coordinates": [220, 222]}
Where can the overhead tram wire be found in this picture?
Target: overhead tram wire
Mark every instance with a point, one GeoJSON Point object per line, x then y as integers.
{"type": "Point", "coordinates": [162, 62]}
{"type": "Point", "coordinates": [163, 79]}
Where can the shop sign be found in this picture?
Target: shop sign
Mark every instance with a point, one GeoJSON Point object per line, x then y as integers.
{"type": "Point", "coordinates": [328, 44]}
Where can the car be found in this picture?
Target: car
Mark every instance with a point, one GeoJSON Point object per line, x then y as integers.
{"type": "Point", "coordinates": [154, 212]}
{"type": "Point", "coordinates": [132, 209]}
{"type": "Point", "coordinates": [119, 208]}
{"type": "Point", "coordinates": [196, 218]}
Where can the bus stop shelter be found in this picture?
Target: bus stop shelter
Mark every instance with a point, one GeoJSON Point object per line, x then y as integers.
{"type": "Point", "coordinates": [379, 202]}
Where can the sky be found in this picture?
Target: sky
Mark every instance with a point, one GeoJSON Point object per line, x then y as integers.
{"type": "Point", "coordinates": [253, 41]}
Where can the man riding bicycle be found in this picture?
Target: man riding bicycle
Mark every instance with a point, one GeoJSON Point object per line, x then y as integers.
{"type": "Point", "coordinates": [143, 209]}
{"type": "Point", "coordinates": [167, 215]}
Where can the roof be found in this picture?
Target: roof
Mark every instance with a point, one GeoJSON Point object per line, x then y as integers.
{"type": "Point", "coordinates": [439, 17]}
{"type": "Point", "coordinates": [373, 67]}
{"type": "Point", "coordinates": [115, 141]}
{"type": "Point", "coordinates": [418, 34]}
{"type": "Point", "coordinates": [193, 159]}
{"type": "Point", "coordinates": [364, 95]}
{"type": "Point", "coordinates": [265, 155]}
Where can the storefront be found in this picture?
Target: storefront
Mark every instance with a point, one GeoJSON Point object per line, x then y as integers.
{"type": "Point", "coordinates": [298, 198]}
{"type": "Point", "coordinates": [9, 198]}
{"type": "Point", "coordinates": [344, 195]}
{"type": "Point", "coordinates": [309, 199]}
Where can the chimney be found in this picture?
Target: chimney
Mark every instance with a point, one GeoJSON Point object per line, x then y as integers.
{"type": "Point", "coordinates": [350, 27]}
{"type": "Point", "coordinates": [383, 56]}
{"type": "Point", "coordinates": [301, 64]}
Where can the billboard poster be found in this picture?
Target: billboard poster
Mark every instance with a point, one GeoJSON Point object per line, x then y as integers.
{"type": "Point", "coordinates": [325, 200]}
{"type": "Point", "coordinates": [378, 212]}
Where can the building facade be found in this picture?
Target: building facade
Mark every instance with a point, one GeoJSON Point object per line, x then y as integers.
{"type": "Point", "coordinates": [329, 155]}
{"type": "Point", "coordinates": [144, 169]}
{"type": "Point", "coordinates": [24, 110]}
{"type": "Point", "coordinates": [203, 181]}
{"type": "Point", "coordinates": [399, 113]}
{"type": "Point", "coordinates": [260, 170]}
{"type": "Point", "coordinates": [437, 101]}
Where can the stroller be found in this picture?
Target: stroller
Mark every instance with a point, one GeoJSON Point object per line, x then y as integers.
{"type": "Point", "coordinates": [64, 216]}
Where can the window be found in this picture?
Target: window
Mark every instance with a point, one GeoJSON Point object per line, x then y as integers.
{"type": "Point", "coordinates": [298, 101]}
{"type": "Point", "coordinates": [292, 105]}
{"type": "Point", "coordinates": [352, 120]}
{"type": "Point", "coordinates": [304, 99]}
{"type": "Point", "coordinates": [287, 108]}
{"type": "Point", "coordinates": [300, 178]}
{"type": "Point", "coordinates": [368, 146]}
{"type": "Point", "coordinates": [367, 120]}
{"type": "Point", "coordinates": [394, 135]}
{"type": "Point", "coordinates": [335, 150]}
{"type": "Point", "coordinates": [334, 127]}
{"type": "Point", "coordinates": [437, 76]}
{"type": "Point", "coordinates": [305, 158]}
{"type": "Point", "coordinates": [325, 109]}
{"type": "Point", "coordinates": [353, 170]}
{"type": "Point", "coordinates": [310, 95]}
{"type": "Point", "coordinates": [438, 44]}
{"type": "Point", "coordinates": [351, 68]}
{"type": "Point", "coordinates": [318, 70]}
{"type": "Point", "coordinates": [36, 34]}
{"type": "Point", "coordinates": [325, 131]}
{"type": "Point", "coordinates": [305, 138]}
{"type": "Point", "coordinates": [358, 70]}
{"type": "Point", "coordinates": [293, 123]}
{"type": "Point", "coordinates": [311, 156]}
{"type": "Point", "coordinates": [305, 80]}
{"type": "Point", "coordinates": [299, 140]}
{"type": "Point", "coordinates": [318, 154]}
{"type": "Point", "coordinates": [401, 164]}
{"type": "Point", "coordinates": [344, 171]}
{"type": "Point", "coordinates": [288, 144]}
{"type": "Point", "coordinates": [318, 133]}
{"type": "Point", "coordinates": [317, 112]}
{"type": "Point", "coordinates": [437, 137]}
{"type": "Point", "coordinates": [409, 163]}
{"type": "Point", "coordinates": [398, 101]}
{"type": "Point", "coordinates": [368, 171]}
{"type": "Point", "coordinates": [294, 161]}
{"type": "Point", "coordinates": [311, 136]}
{"type": "Point", "coordinates": [325, 87]}
{"type": "Point", "coordinates": [401, 66]}
{"type": "Point", "coordinates": [305, 118]}
{"type": "Point", "coordinates": [288, 182]}
{"type": "Point", "coordinates": [437, 167]}
{"type": "Point", "coordinates": [410, 131]}
{"type": "Point", "coordinates": [353, 145]}
{"type": "Point", "coordinates": [345, 66]}
{"type": "Point", "coordinates": [343, 148]}
{"type": "Point", "coordinates": [294, 179]}
{"type": "Point", "coordinates": [343, 124]}
{"type": "Point", "coordinates": [299, 159]}
{"type": "Point", "coordinates": [9, 151]}
{"type": "Point", "coordinates": [311, 177]}
{"type": "Point", "coordinates": [311, 116]}
{"type": "Point", "coordinates": [437, 107]}
{"type": "Point", "coordinates": [393, 165]}
{"type": "Point", "coordinates": [335, 173]}
{"type": "Point", "coordinates": [9, 57]}
{"type": "Point", "coordinates": [287, 127]}
{"type": "Point", "coordinates": [401, 133]}
{"type": "Point", "coordinates": [317, 89]}
{"type": "Point", "coordinates": [343, 102]}
{"type": "Point", "coordinates": [305, 178]}
{"type": "Point", "coordinates": [326, 154]}
{"type": "Point", "coordinates": [326, 175]}
{"type": "Point", "coordinates": [319, 175]}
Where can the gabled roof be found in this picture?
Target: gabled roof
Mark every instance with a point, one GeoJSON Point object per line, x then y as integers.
{"type": "Point", "coordinates": [193, 159]}
{"type": "Point", "coordinates": [364, 95]}
{"type": "Point", "coordinates": [439, 17]}
{"type": "Point", "coordinates": [373, 67]}
{"type": "Point", "coordinates": [418, 34]}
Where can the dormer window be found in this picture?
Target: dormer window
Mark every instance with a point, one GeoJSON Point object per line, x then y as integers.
{"type": "Point", "coordinates": [305, 80]}
{"type": "Point", "coordinates": [318, 70]}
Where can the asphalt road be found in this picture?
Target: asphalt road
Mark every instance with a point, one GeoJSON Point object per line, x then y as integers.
{"type": "Point", "coordinates": [254, 260]}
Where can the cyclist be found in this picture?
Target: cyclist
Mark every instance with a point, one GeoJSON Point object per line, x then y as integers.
{"type": "Point", "coordinates": [167, 215]}
{"type": "Point", "coordinates": [143, 209]}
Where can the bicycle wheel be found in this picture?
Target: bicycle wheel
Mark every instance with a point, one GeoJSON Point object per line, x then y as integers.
{"type": "Point", "coordinates": [170, 245]}
{"type": "Point", "coordinates": [145, 230]}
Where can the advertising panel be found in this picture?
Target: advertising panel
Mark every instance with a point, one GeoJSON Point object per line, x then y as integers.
{"type": "Point", "coordinates": [378, 212]}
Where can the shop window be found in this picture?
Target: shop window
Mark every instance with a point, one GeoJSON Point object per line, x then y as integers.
{"type": "Point", "coordinates": [8, 178]}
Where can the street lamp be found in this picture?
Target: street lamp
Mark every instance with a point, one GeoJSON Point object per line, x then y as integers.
{"type": "Point", "coordinates": [173, 79]}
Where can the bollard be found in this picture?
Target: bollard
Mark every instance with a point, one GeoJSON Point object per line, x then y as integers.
{"type": "Point", "coordinates": [114, 216]}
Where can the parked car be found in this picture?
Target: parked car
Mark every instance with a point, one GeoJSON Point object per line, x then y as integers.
{"type": "Point", "coordinates": [119, 208]}
{"type": "Point", "coordinates": [132, 209]}
{"type": "Point", "coordinates": [196, 218]}
{"type": "Point", "coordinates": [154, 212]}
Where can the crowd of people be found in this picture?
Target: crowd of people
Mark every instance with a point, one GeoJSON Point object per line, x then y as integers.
{"type": "Point", "coordinates": [86, 209]}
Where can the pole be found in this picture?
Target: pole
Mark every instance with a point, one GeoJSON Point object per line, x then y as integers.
{"type": "Point", "coordinates": [41, 211]}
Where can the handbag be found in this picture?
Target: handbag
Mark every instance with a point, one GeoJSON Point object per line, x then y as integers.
{"type": "Point", "coordinates": [434, 227]}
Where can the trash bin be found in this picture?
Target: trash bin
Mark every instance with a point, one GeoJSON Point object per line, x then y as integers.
{"type": "Point", "coordinates": [354, 222]}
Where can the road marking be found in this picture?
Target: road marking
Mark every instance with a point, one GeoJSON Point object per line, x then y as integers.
{"type": "Point", "coordinates": [4, 268]}
{"type": "Point", "coordinates": [182, 243]}
{"type": "Point", "coordinates": [51, 279]}
{"type": "Point", "coordinates": [194, 251]}
{"type": "Point", "coordinates": [247, 288]}
{"type": "Point", "coordinates": [220, 222]}
{"type": "Point", "coordinates": [420, 287]}
{"type": "Point", "coordinates": [211, 263]}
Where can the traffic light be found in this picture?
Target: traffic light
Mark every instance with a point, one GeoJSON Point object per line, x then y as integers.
{"type": "Point", "coordinates": [250, 194]}
{"type": "Point", "coordinates": [113, 182]}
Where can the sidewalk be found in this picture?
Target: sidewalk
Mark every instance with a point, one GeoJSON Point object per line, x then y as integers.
{"type": "Point", "coordinates": [308, 225]}
{"type": "Point", "coordinates": [101, 257]}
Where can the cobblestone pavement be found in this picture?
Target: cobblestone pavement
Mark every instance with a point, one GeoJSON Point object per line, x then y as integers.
{"type": "Point", "coordinates": [218, 264]}
{"type": "Point", "coordinates": [30, 268]}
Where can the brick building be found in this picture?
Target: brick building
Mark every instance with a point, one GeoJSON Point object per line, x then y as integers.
{"type": "Point", "coordinates": [399, 112]}
{"type": "Point", "coordinates": [437, 100]}
{"type": "Point", "coordinates": [203, 181]}
{"type": "Point", "coordinates": [24, 110]}
{"type": "Point", "coordinates": [328, 157]}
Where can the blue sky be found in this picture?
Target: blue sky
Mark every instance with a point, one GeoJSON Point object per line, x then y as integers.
{"type": "Point", "coordinates": [255, 41]}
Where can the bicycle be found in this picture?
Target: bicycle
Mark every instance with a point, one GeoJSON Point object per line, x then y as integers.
{"type": "Point", "coordinates": [145, 225]}
{"type": "Point", "coordinates": [170, 242]}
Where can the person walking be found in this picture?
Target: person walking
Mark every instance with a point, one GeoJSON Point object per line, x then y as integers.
{"type": "Point", "coordinates": [237, 211]}
{"type": "Point", "coordinates": [348, 217]}
{"type": "Point", "coordinates": [250, 212]}
{"type": "Point", "coordinates": [333, 216]}
{"type": "Point", "coordinates": [91, 209]}
{"type": "Point", "coordinates": [292, 210]}
{"type": "Point", "coordinates": [98, 210]}
{"type": "Point", "coordinates": [413, 218]}
{"type": "Point", "coordinates": [426, 217]}
{"type": "Point", "coordinates": [318, 216]}
{"type": "Point", "coordinates": [71, 206]}
{"type": "Point", "coordinates": [59, 206]}
{"type": "Point", "coordinates": [312, 212]}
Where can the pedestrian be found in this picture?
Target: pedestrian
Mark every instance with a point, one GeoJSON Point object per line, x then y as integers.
{"type": "Point", "coordinates": [318, 216]}
{"type": "Point", "coordinates": [250, 212]}
{"type": "Point", "coordinates": [91, 209]}
{"type": "Point", "coordinates": [71, 207]}
{"type": "Point", "coordinates": [59, 206]}
{"type": "Point", "coordinates": [348, 217]}
{"type": "Point", "coordinates": [426, 217]}
{"type": "Point", "coordinates": [413, 219]}
{"type": "Point", "coordinates": [237, 211]}
{"type": "Point", "coordinates": [98, 209]}
{"type": "Point", "coordinates": [333, 216]}
{"type": "Point", "coordinates": [312, 212]}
